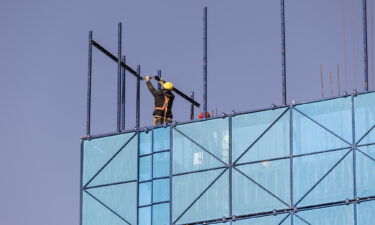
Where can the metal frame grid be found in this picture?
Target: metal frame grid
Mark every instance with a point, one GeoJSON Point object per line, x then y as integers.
{"type": "Point", "coordinates": [290, 210]}
{"type": "Point", "coordinates": [151, 181]}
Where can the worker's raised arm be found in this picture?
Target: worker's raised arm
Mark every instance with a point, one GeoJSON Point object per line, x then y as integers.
{"type": "Point", "coordinates": [150, 86]}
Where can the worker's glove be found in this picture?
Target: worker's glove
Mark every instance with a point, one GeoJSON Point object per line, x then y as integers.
{"type": "Point", "coordinates": [147, 78]}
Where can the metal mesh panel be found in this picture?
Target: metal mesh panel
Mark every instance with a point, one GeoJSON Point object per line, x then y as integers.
{"type": "Point", "coordinates": [366, 212]}
{"type": "Point", "coordinates": [268, 186]}
{"type": "Point", "coordinates": [94, 213]}
{"type": "Point", "coordinates": [122, 168]}
{"type": "Point", "coordinates": [212, 204]}
{"type": "Point", "coordinates": [161, 139]}
{"type": "Point", "coordinates": [145, 143]}
{"type": "Point", "coordinates": [120, 198]}
{"type": "Point", "coordinates": [161, 164]}
{"type": "Point", "coordinates": [145, 215]}
{"type": "Point", "coordinates": [338, 215]}
{"type": "Point", "coordinates": [189, 157]}
{"type": "Point", "coordinates": [248, 128]}
{"type": "Point", "coordinates": [98, 151]}
{"type": "Point", "coordinates": [145, 168]}
{"type": "Point", "coordinates": [160, 214]}
{"type": "Point", "coordinates": [365, 162]}
{"type": "Point", "coordinates": [160, 189]}
{"type": "Point", "coordinates": [335, 115]}
{"type": "Point", "coordinates": [145, 193]}
{"type": "Point", "coordinates": [187, 188]}
{"type": "Point", "coordinates": [212, 135]}
{"type": "Point", "coordinates": [309, 136]}
{"type": "Point", "coordinates": [323, 177]}
{"type": "Point", "coordinates": [249, 197]}
{"type": "Point", "coordinates": [364, 106]}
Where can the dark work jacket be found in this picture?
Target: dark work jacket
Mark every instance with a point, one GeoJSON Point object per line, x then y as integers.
{"type": "Point", "coordinates": [159, 100]}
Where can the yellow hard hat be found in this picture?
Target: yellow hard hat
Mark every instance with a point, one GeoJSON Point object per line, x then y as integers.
{"type": "Point", "coordinates": [168, 85]}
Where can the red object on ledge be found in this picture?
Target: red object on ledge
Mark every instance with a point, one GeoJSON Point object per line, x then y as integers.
{"type": "Point", "coordinates": [201, 115]}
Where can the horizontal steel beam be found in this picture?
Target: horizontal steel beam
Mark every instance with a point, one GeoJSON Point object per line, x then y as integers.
{"type": "Point", "coordinates": [133, 72]}
{"type": "Point", "coordinates": [114, 58]}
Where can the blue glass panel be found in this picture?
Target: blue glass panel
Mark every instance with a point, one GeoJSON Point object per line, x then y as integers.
{"type": "Point", "coordinates": [249, 198]}
{"type": "Point", "coordinates": [122, 168]}
{"type": "Point", "coordinates": [188, 187]}
{"type": "Point", "coordinates": [213, 135]}
{"type": "Point", "coordinates": [265, 220]}
{"type": "Point", "coordinates": [213, 204]}
{"type": "Point", "coordinates": [161, 139]}
{"type": "Point", "coordinates": [160, 214]}
{"type": "Point", "coordinates": [145, 193]}
{"type": "Point", "coordinates": [338, 215]}
{"type": "Point", "coordinates": [161, 164]}
{"type": "Point", "coordinates": [121, 198]}
{"type": "Point", "coordinates": [160, 190]}
{"type": "Point", "coordinates": [247, 128]}
{"type": "Point", "coordinates": [274, 143]}
{"type": "Point", "coordinates": [366, 212]}
{"type": "Point", "coordinates": [145, 143]}
{"type": "Point", "coordinates": [336, 186]}
{"type": "Point", "coordinates": [94, 213]}
{"type": "Point", "coordinates": [272, 175]}
{"type": "Point", "coordinates": [335, 115]}
{"type": "Point", "coordinates": [310, 137]}
{"type": "Point", "coordinates": [145, 215]}
{"type": "Point", "coordinates": [187, 156]}
{"type": "Point", "coordinates": [365, 171]}
{"type": "Point", "coordinates": [364, 106]}
{"type": "Point", "coordinates": [145, 168]}
{"type": "Point", "coordinates": [98, 151]}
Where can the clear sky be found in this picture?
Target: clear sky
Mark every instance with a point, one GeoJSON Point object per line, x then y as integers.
{"type": "Point", "coordinates": [43, 76]}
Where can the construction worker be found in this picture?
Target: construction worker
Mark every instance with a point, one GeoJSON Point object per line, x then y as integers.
{"type": "Point", "coordinates": [163, 101]}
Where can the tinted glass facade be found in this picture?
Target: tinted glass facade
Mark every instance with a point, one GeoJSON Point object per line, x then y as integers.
{"type": "Point", "coordinates": [311, 163]}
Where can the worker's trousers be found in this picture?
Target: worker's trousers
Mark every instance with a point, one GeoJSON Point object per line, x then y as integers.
{"type": "Point", "coordinates": [159, 120]}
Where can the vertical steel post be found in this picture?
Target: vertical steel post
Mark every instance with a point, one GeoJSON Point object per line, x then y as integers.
{"type": "Point", "coordinates": [81, 184]}
{"type": "Point", "coordinates": [354, 158]}
{"type": "Point", "coordinates": [365, 58]}
{"type": "Point", "coordinates": [88, 118]}
{"type": "Point", "coordinates": [192, 106]}
{"type": "Point", "coordinates": [171, 127]}
{"type": "Point", "coordinates": [230, 133]}
{"type": "Point", "coordinates": [119, 78]}
{"type": "Point", "coordinates": [159, 75]}
{"type": "Point", "coordinates": [283, 51]}
{"type": "Point", "coordinates": [321, 80]}
{"type": "Point", "coordinates": [291, 153]}
{"type": "Point", "coordinates": [205, 62]}
{"type": "Point", "coordinates": [330, 82]}
{"type": "Point", "coordinates": [338, 79]}
{"type": "Point", "coordinates": [138, 173]}
{"type": "Point", "coordinates": [123, 94]}
{"type": "Point", "coordinates": [138, 104]}
{"type": "Point", "coordinates": [152, 171]}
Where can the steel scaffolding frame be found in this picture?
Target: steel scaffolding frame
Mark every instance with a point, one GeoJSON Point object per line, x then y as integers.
{"type": "Point", "coordinates": [290, 209]}
{"type": "Point", "coordinates": [122, 66]}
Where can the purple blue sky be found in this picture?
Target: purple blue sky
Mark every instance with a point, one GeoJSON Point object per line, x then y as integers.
{"type": "Point", "coordinates": [43, 72]}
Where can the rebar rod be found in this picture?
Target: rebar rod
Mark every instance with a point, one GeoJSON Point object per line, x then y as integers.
{"type": "Point", "coordinates": [205, 62]}
{"type": "Point", "coordinates": [119, 35]}
{"type": "Point", "coordinates": [89, 79]}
